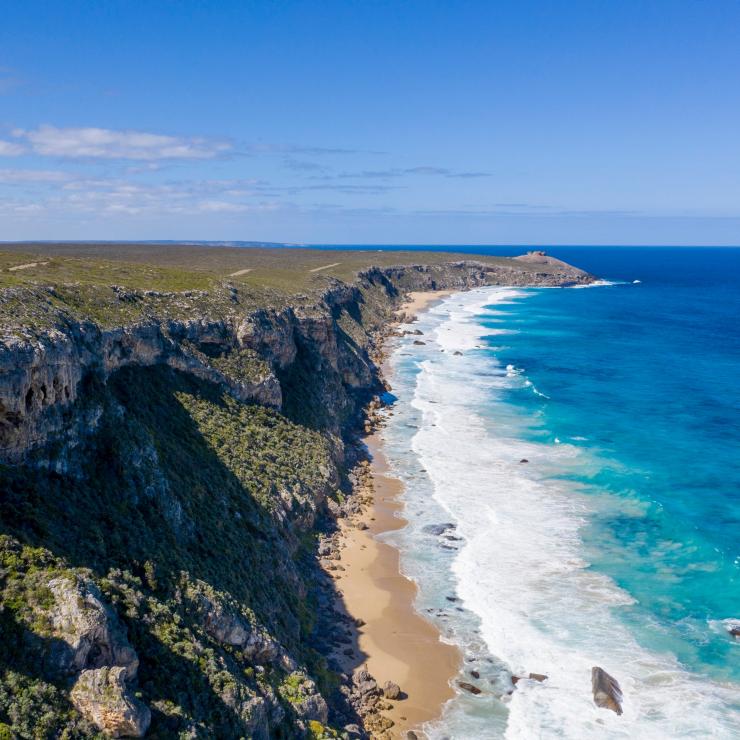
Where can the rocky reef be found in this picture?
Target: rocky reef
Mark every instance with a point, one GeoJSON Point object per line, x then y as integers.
{"type": "Point", "coordinates": [168, 463]}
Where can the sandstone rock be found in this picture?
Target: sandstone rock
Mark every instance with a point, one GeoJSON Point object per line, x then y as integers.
{"type": "Point", "coordinates": [391, 690]}
{"type": "Point", "coordinates": [469, 687]}
{"type": "Point", "coordinates": [607, 693]}
{"type": "Point", "coordinates": [101, 696]}
{"type": "Point", "coordinates": [88, 632]}
{"type": "Point", "coordinates": [313, 707]}
{"type": "Point", "coordinates": [538, 677]}
{"type": "Point", "coordinates": [230, 628]}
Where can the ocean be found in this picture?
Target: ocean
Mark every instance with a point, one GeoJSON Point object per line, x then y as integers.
{"type": "Point", "coordinates": [571, 459]}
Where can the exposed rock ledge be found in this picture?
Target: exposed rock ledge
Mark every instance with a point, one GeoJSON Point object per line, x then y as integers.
{"type": "Point", "coordinates": [42, 375]}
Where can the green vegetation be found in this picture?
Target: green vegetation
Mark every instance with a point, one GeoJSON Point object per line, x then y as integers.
{"type": "Point", "coordinates": [183, 494]}
{"type": "Point", "coordinates": [191, 511]}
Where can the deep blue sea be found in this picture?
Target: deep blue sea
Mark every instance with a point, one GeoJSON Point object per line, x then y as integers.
{"type": "Point", "coordinates": [617, 542]}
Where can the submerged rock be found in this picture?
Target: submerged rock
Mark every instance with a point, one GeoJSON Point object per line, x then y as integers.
{"type": "Point", "coordinates": [469, 687]}
{"type": "Point", "coordinates": [438, 529]}
{"type": "Point", "coordinates": [607, 693]}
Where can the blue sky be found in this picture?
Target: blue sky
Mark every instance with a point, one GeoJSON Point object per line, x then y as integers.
{"type": "Point", "coordinates": [594, 122]}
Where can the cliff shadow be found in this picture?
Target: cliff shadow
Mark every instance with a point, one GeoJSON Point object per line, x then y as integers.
{"type": "Point", "coordinates": [150, 503]}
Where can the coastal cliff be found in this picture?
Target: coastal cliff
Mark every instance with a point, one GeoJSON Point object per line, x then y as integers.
{"type": "Point", "coordinates": [168, 460]}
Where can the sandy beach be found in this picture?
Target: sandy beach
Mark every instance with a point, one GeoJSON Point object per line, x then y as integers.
{"type": "Point", "coordinates": [419, 300]}
{"type": "Point", "coordinates": [397, 643]}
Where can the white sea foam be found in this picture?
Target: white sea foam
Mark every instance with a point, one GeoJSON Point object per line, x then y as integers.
{"type": "Point", "coordinates": [521, 566]}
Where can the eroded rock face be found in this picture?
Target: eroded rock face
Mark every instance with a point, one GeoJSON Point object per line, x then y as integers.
{"type": "Point", "coordinates": [41, 378]}
{"type": "Point", "coordinates": [229, 628]}
{"type": "Point", "coordinates": [102, 696]}
{"type": "Point", "coordinates": [42, 373]}
{"type": "Point", "coordinates": [88, 632]}
{"type": "Point", "coordinates": [305, 699]}
{"type": "Point", "coordinates": [270, 333]}
{"type": "Point", "coordinates": [91, 644]}
{"type": "Point", "coordinates": [607, 693]}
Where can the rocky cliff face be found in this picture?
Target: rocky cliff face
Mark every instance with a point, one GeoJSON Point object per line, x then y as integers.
{"type": "Point", "coordinates": [43, 374]}
{"type": "Point", "coordinates": [162, 481]}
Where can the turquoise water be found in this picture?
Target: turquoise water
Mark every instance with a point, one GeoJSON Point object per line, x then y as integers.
{"type": "Point", "coordinates": [618, 542]}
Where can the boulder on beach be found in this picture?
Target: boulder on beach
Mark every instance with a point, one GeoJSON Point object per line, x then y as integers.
{"type": "Point", "coordinates": [391, 690]}
{"type": "Point", "coordinates": [607, 693]}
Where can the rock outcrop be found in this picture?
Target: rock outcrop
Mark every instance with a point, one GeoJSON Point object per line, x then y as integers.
{"type": "Point", "coordinates": [88, 633]}
{"type": "Point", "coordinates": [91, 644]}
{"type": "Point", "coordinates": [606, 690]}
{"type": "Point", "coordinates": [103, 697]}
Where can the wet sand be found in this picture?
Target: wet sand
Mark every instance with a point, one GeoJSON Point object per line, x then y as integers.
{"type": "Point", "coordinates": [397, 643]}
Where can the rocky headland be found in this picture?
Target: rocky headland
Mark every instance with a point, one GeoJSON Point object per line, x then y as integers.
{"type": "Point", "coordinates": [173, 465]}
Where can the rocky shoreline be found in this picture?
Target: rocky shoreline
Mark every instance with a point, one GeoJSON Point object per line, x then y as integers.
{"type": "Point", "coordinates": [188, 467]}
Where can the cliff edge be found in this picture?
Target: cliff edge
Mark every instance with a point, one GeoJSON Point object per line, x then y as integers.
{"type": "Point", "coordinates": [172, 442]}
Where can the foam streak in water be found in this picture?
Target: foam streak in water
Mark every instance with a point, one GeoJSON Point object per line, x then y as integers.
{"type": "Point", "coordinates": [521, 568]}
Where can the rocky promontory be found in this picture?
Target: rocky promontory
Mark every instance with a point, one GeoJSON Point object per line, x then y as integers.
{"type": "Point", "coordinates": [170, 461]}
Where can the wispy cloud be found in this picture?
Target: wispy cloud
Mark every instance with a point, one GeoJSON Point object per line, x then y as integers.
{"type": "Point", "coordinates": [63, 195]}
{"type": "Point", "coordinates": [102, 143]}
{"type": "Point", "coordinates": [10, 149]}
{"type": "Point", "coordinates": [423, 170]}
{"type": "Point", "coordinates": [302, 165]}
{"type": "Point", "coordinates": [302, 149]}
{"type": "Point", "coordinates": [33, 176]}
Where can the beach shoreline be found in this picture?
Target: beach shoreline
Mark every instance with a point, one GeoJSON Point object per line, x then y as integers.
{"type": "Point", "coordinates": [396, 642]}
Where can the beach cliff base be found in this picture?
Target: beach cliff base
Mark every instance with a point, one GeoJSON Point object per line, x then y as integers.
{"type": "Point", "coordinates": [394, 642]}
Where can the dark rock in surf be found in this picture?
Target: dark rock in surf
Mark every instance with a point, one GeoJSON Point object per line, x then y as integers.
{"type": "Point", "coordinates": [607, 693]}
{"type": "Point", "coordinates": [438, 529]}
{"type": "Point", "coordinates": [469, 687]}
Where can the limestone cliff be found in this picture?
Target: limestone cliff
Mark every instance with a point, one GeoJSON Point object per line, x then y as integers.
{"type": "Point", "coordinates": [165, 468]}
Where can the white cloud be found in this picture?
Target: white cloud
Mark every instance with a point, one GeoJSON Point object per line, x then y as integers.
{"type": "Point", "coordinates": [10, 149]}
{"type": "Point", "coordinates": [102, 143]}
{"type": "Point", "coordinates": [33, 176]}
